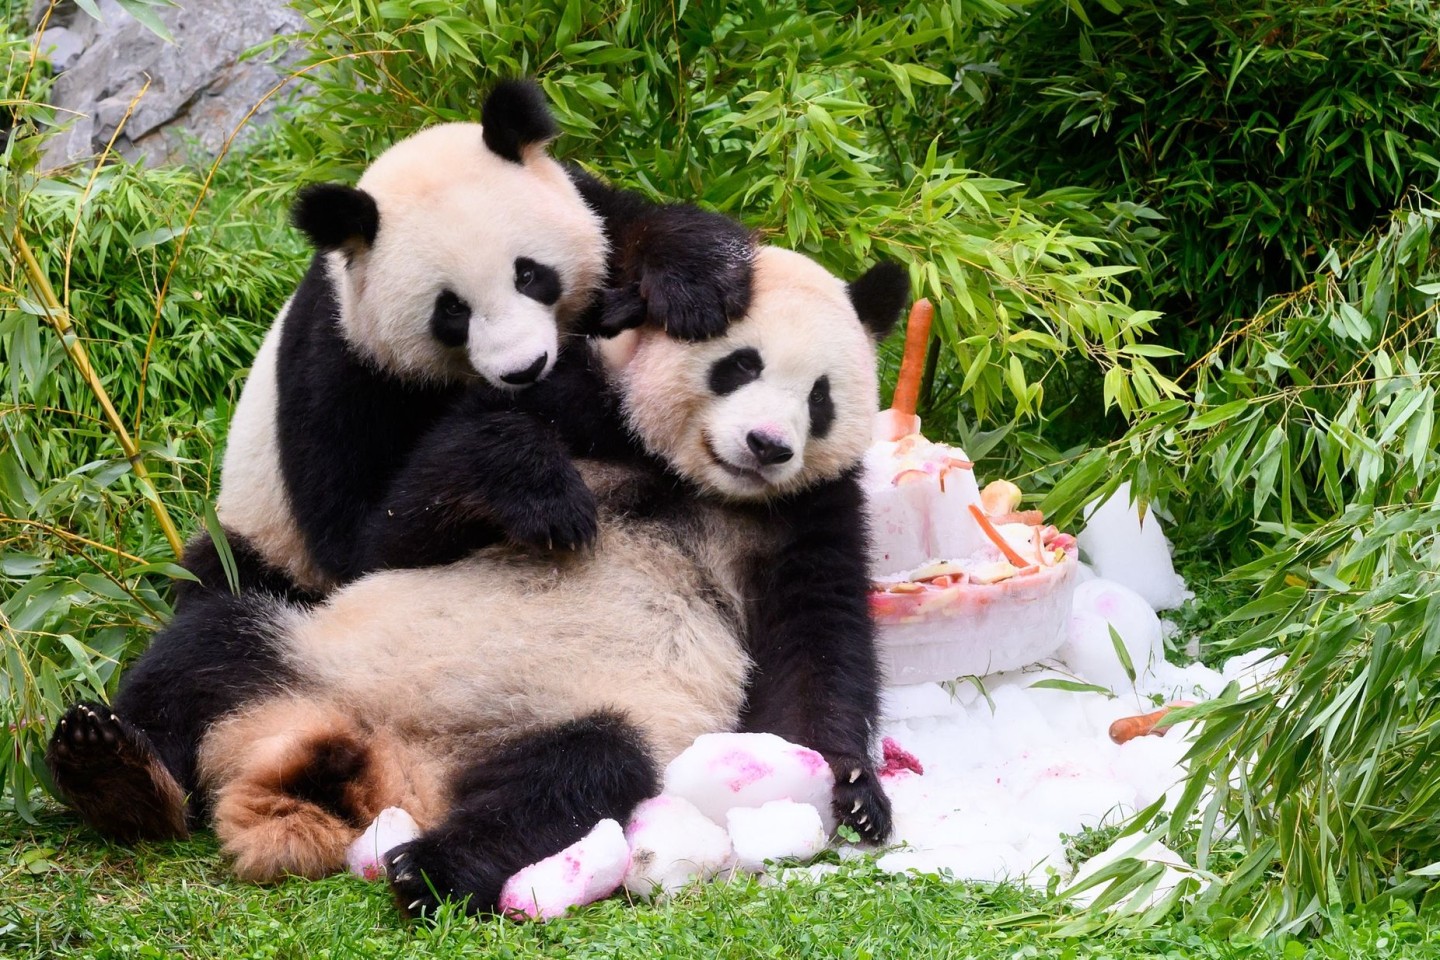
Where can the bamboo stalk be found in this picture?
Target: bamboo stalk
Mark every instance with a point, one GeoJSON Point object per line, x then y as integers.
{"type": "Point", "coordinates": [59, 320]}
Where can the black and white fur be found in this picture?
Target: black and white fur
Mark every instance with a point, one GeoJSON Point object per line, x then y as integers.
{"type": "Point", "coordinates": [381, 424]}
{"type": "Point", "coordinates": [448, 278]}
{"type": "Point", "coordinates": [512, 699]}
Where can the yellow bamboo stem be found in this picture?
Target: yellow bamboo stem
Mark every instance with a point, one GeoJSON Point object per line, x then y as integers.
{"type": "Point", "coordinates": [59, 320]}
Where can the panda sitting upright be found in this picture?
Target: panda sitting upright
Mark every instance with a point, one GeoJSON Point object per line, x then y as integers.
{"type": "Point", "coordinates": [382, 422]}
{"type": "Point", "coordinates": [509, 701]}
{"type": "Point", "coordinates": [443, 284]}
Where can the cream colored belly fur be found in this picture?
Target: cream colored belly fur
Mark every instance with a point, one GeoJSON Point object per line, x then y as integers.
{"type": "Point", "coordinates": [429, 668]}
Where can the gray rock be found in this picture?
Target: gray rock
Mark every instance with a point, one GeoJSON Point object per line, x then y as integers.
{"type": "Point", "coordinates": [62, 47]}
{"type": "Point", "coordinates": [200, 91]}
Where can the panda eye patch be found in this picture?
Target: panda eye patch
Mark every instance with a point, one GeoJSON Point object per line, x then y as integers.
{"type": "Point", "coordinates": [537, 281]}
{"type": "Point", "coordinates": [734, 370]}
{"type": "Point", "coordinates": [822, 408]}
{"type": "Point", "coordinates": [450, 320]}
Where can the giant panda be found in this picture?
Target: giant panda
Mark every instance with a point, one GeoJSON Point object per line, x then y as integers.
{"type": "Point", "coordinates": [447, 277]}
{"type": "Point", "coordinates": [512, 699]}
{"type": "Point", "coordinates": [382, 424]}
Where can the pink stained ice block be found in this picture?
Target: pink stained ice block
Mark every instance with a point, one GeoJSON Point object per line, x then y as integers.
{"type": "Point", "coordinates": [589, 869]}
{"type": "Point", "coordinates": [365, 857]}
{"type": "Point", "coordinates": [973, 629]}
{"type": "Point", "coordinates": [721, 771]}
{"type": "Point", "coordinates": [672, 844]}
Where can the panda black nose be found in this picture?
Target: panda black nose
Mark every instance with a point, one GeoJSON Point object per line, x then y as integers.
{"type": "Point", "coordinates": [767, 451]}
{"type": "Point", "coordinates": [529, 375]}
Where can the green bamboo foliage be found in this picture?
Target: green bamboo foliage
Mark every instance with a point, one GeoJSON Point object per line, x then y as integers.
{"type": "Point", "coordinates": [805, 124]}
{"type": "Point", "coordinates": [1310, 428]}
{"type": "Point", "coordinates": [1262, 130]}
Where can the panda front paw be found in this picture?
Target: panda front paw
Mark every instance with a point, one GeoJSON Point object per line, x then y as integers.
{"type": "Point", "coordinates": [565, 517]}
{"type": "Point", "coordinates": [436, 869]}
{"type": "Point", "coordinates": [860, 802]}
{"type": "Point", "coordinates": [687, 272]}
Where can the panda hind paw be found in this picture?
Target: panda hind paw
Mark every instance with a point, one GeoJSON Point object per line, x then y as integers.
{"type": "Point", "coordinates": [110, 773]}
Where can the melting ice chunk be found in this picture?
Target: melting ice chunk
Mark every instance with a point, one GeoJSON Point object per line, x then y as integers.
{"type": "Point", "coordinates": [721, 771]}
{"type": "Point", "coordinates": [391, 828]}
{"type": "Point", "coordinates": [672, 844]}
{"type": "Point", "coordinates": [589, 869]}
{"type": "Point", "coordinates": [1123, 548]}
{"type": "Point", "coordinates": [1089, 649]}
{"type": "Point", "coordinates": [778, 830]}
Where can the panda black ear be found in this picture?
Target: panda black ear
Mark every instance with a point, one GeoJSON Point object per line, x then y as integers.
{"type": "Point", "coordinates": [879, 296]}
{"type": "Point", "coordinates": [515, 116]}
{"type": "Point", "coordinates": [336, 217]}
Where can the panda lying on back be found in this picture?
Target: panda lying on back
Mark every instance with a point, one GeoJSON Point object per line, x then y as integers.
{"type": "Point", "coordinates": [383, 425]}
{"type": "Point", "coordinates": [509, 701]}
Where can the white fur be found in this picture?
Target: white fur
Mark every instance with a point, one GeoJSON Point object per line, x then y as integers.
{"type": "Point", "coordinates": [454, 215]}
{"type": "Point", "coordinates": [253, 502]}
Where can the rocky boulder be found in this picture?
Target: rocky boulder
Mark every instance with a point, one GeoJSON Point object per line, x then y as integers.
{"type": "Point", "coordinates": [200, 89]}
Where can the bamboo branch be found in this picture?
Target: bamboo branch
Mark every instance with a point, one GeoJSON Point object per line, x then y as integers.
{"type": "Point", "coordinates": [59, 320]}
{"type": "Point", "coordinates": [73, 538]}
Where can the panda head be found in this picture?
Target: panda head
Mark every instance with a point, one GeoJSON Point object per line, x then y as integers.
{"type": "Point", "coordinates": [784, 400]}
{"type": "Point", "coordinates": [465, 249]}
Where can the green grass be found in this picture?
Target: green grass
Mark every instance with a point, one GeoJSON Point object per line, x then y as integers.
{"type": "Point", "coordinates": [64, 893]}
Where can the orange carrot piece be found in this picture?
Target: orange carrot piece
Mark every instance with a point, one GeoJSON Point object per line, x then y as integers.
{"type": "Point", "coordinates": [1128, 728]}
{"type": "Point", "coordinates": [997, 539]}
{"type": "Point", "coordinates": [912, 365]}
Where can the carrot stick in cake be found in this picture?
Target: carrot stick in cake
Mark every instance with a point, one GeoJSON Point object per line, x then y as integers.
{"type": "Point", "coordinates": [997, 538]}
{"type": "Point", "coordinates": [912, 364]}
{"type": "Point", "coordinates": [900, 420]}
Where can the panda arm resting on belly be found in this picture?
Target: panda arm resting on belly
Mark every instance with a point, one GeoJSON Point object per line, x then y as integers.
{"type": "Point", "coordinates": [482, 472]}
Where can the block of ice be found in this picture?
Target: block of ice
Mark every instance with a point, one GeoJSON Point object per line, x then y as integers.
{"type": "Point", "coordinates": [1089, 650]}
{"type": "Point", "coordinates": [391, 828]}
{"type": "Point", "coordinates": [919, 495]}
{"type": "Point", "coordinates": [672, 845]}
{"type": "Point", "coordinates": [778, 830]}
{"type": "Point", "coordinates": [721, 771]}
{"type": "Point", "coordinates": [590, 869]}
{"type": "Point", "coordinates": [1123, 548]}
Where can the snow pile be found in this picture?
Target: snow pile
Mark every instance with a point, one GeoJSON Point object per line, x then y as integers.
{"type": "Point", "coordinates": [1124, 548]}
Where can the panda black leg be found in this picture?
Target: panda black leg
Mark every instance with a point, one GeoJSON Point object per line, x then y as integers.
{"type": "Point", "coordinates": [530, 799]}
{"type": "Point", "coordinates": [130, 772]}
{"type": "Point", "coordinates": [110, 773]}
